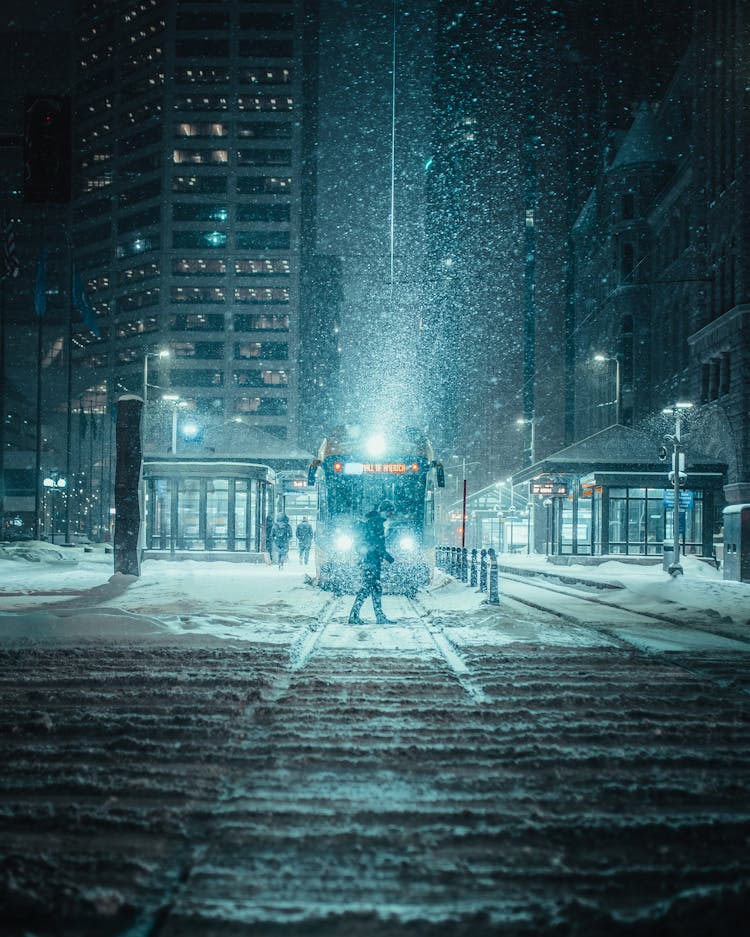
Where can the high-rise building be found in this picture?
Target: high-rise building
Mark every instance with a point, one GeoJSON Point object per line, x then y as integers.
{"type": "Point", "coordinates": [188, 139]}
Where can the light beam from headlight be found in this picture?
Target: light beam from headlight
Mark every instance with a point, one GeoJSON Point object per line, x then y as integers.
{"type": "Point", "coordinates": [344, 542]}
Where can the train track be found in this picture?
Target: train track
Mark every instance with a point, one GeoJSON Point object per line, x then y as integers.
{"type": "Point", "coordinates": [411, 615]}
{"type": "Point", "coordinates": [578, 613]}
{"type": "Point", "coordinates": [629, 614]}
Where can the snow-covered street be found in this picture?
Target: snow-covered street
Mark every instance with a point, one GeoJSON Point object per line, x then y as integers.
{"type": "Point", "coordinates": [212, 749]}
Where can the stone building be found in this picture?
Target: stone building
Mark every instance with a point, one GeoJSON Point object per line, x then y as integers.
{"type": "Point", "coordinates": [662, 280]}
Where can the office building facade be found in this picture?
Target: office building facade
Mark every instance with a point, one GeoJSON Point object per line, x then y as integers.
{"type": "Point", "coordinates": [188, 158]}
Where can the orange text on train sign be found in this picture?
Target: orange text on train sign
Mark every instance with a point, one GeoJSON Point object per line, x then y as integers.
{"type": "Point", "coordinates": [390, 468]}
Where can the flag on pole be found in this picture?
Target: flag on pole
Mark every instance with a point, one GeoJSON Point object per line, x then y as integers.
{"type": "Point", "coordinates": [83, 304]}
{"type": "Point", "coordinates": [40, 287]}
{"type": "Point", "coordinates": [10, 257]}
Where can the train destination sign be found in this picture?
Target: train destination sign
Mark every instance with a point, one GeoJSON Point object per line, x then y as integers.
{"type": "Point", "coordinates": [388, 468]}
{"type": "Point", "coordinates": [376, 468]}
{"type": "Point", "coordinates": [549, 487]}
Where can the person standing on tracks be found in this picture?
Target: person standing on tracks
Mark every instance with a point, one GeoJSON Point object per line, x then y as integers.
{"type": "Point", "coordinates": [304, 534]}
{"type": "Point", "coordinates": [373, 553]}
{"type": "Point", "coordinates": [281, 534]}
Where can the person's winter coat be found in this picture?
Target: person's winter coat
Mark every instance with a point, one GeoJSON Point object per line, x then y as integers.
{"type": "Point", "coordinates": [372, 540]}
{"type": "Point", "coordinates": [304, 533]}
{"type": "Point", "coordinates": [281, 532]}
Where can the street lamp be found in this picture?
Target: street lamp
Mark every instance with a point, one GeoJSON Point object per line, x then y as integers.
{"type": "Point", "coordinates": [52, 483]}
{"type": "Point", "coordinates": [678, 466]}
{"type": "Point", "coordinates": [174, 399]}
{"type": "Point", "coordinates": [531, 421]}
{"type": "Point", "coordinates": [618, 383]}
{"type": "Point", "coordinates": [531, 526]}
{"type": "Point", "coordinates": [162, 353]}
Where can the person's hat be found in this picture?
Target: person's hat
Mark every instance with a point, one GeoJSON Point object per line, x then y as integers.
{"type": "Point", "coordinates": [386, 507]}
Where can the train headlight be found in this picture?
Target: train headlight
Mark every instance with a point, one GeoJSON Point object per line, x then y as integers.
{"type": "Point", "coordinates": [344, 542]}
{"type": "Point", "coordinates": [407, 543]}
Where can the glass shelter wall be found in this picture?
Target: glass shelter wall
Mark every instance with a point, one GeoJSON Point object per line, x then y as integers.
{"type": "Point", "coordinates": [626, 520]}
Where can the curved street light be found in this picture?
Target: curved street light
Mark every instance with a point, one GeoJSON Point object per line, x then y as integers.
{"type": "Point", "coordinates": [162, 353]}
{"type": "Point", "coordinates": [616, 357]}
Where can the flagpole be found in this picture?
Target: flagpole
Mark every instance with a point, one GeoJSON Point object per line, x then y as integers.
{"type": "Point", "coordinates": [69, 393]}
{"type": "Point", "coordinates": [40, 302]}
{"type": "Point", "coordinates": [101, 482]}
{"type": "Point", "coordinates": [79, 476]}
{"type": "Point", "coordinates": [91, 470]}
{"type": "Point", "coordinates": [38, 453]}
{"type": "Point", "coordinates": [2, 409]}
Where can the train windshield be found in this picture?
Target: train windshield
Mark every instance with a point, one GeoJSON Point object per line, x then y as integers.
{"type": "Point", "coordinates": [356, 495]}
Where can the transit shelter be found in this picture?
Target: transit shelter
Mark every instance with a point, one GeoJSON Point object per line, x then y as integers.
{"type": "Point", "coordinates": [205, 507]}
{"type": "Point", "coordinates": [211, 487]}
{"type": "Point", "coordinates": [610, 495]}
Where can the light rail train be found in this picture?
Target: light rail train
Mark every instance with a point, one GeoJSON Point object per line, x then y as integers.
{"type": "Point", "coordinates": [355, 470]}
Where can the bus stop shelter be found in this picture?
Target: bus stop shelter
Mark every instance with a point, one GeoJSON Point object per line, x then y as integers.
{"type": "Point", "coordinates": [609, 495]}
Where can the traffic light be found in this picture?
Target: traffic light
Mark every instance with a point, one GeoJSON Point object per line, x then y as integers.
{"type": "Point", "coordinates": [46, 149]}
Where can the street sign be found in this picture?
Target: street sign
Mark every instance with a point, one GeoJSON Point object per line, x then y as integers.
{"type": "Point", "coordinates": [687, 499]}
{"type": "Point", "coordinates": [549, 486]}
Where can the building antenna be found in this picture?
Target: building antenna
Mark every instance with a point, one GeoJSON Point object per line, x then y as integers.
{"type": "Point", "coordinates": [393, 142]}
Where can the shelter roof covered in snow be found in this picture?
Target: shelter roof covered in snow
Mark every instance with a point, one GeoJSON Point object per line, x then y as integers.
{"type": "Point", "coordinates": [614, 449]}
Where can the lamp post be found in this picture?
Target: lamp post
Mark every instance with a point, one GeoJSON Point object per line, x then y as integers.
{"type": "Point", "coordinates": [52, 483]}
{"type": "Point", "coordinates": [530, 421]}
{"type": "Point", "coordinates": [162, 353]}
{"type": "Point", "coordinates": [678, 465]}
{"type": "Point", "coordinates": [176, 402]}
{"type": "Point", "coordinates": [618, 382]}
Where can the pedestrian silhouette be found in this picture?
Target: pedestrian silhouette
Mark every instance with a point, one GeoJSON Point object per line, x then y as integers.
{"type": "Point", "coordinates": [281, 534]}
{"type": "Point", "coordinates": [304, 534]}
{"type": "Point", "coordinates": [372, 551]}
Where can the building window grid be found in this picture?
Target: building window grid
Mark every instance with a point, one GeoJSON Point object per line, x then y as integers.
{"type": "Point", "coordinates": [267, 76]}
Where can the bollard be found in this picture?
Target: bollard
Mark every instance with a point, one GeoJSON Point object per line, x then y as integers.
{"type": "Point", "coordinates": [473, 574]}
{"type": "Point", "coordinates": [438, 557]}
{"type": "Point", "coordinates": [494, 596]}
{"type": "Point", "coordinates": [453, 564]}
{"type": "Point", "coordinates": [457, 562]}
{"type": "Point", "coordinates": [483, 572]}
{"type": "Point", "coordinates": [464, 565]}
